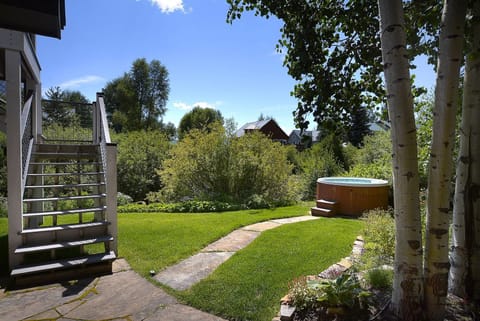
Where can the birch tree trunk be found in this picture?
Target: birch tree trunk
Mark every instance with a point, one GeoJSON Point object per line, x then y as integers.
{"type": "Point", "coordinates": [436, 263]}
{"type": "Point", "coordinates": [465, 256]}
{"type": "Point", "coordinates": [407, 293]}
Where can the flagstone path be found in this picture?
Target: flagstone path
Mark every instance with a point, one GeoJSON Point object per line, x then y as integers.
{"type": "Point", "coordinates": [186, 273]}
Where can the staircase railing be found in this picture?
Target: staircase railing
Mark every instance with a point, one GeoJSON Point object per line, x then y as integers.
{"type": "Point", "coordinates": [26, 128]}
{"type": "Point", "coordinates": [108, 151]}
{"type": "Point", "coordinates": [67, 122]}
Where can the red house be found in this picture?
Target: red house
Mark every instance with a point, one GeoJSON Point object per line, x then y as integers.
{"type": "Point", "coordinates": [269, 127]}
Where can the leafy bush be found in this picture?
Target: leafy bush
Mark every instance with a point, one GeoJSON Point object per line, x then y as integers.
{"type": "Point", "coordinates": [140, 155]}
{"type": "Point", "coordinates": [72, 204]}
{"type": "Point", "coordinates": [183, 207]}
{"type": "Point", "coordinates": [211, 165]}
{"type": "Point", "coordinates": [342, 297]}
{"type": "Point", "coordinates": [379, 278]}
{"type": "Point", "coordinates": [3, 207]}
{"type": "Point", "coordinates": [379, 235]}
{"type": "Point", "coordinates": [344, 292]}
{"type": "Point", "coordinates": [302, 295]}
{"type": "Point", "coordinates": [318, 161]}
{"type": "Point", "coordinates": [375, 158]}
{"type": "Point", "coordinates": [123, 199]}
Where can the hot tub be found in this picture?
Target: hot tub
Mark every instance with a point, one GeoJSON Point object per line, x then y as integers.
{"type": "Point", "coordinates": [349, 195]}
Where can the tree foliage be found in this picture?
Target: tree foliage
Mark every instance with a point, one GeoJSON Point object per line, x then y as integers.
{"type": "Point", "coordinates": [66, 108]}
{"type": "Point", "coordinates": [140, 154]}
{"type": "Point", "coordinates": [374, 158]}
{"type": "Point", "coordinates": [332, 50]}
{"type": "Point", "coordinates": [216, 166]}
{"type": "Point", "coordinates": [137, 100]}
{"type": "Point", "coordinates": [198, 118]}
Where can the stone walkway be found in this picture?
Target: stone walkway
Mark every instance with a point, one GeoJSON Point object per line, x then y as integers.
{"type": "Point", "coordinates": [126, 296]}
{"type": "Point", "coordinates": [185, 274]}
{"type": "Point", "coordinates": [121, 296]}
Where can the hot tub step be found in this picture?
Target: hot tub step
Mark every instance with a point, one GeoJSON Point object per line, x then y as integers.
{"type": "Point", "coordinates": [330, 205]}
{"type": "Point", "coordinates": [319, 211]}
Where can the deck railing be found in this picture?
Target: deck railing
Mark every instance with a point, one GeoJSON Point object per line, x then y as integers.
{"type": "Point", "coordinates": [26, 130]}
{"type": "Point", "coordinates": [108, 151]}
{"type": "Point", "coordinates": [67, 122]}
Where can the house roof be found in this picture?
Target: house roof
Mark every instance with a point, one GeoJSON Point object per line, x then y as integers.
{"type": "Point", "coordinates": [379, 126]}
{"type": "Point", "coordinates": [258, 125]}
{"type": "Point", "coordinates": [315, 134]}
{"type": "Point", "coordinates": [251, 126]}
{"type": "Point", "coordinates": [45, 17]}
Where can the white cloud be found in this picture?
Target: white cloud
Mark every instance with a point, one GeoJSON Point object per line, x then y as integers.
{"type": "Point", "coordinates": [201, 104]}
{"type": "Point", "coordinates": [169, 6]}
{"type": "Point", "coordinates": [73, 83]}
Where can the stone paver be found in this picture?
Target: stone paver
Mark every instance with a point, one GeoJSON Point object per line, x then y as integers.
{"type": "Point", "coordinates": [185, 274]}
{"type": "Point", "coordinates": [122, 296]}
{"type": "Point", "coordinates": [233, 242]}
{"type": "Point", "coordinates": [190, 271]}
{"type": "Point", "coordinates": [179, 312]}
{"type": "Point", "coordinates": [125, 295]}
{"type": "Point", "coordinates": [296, 219]}
{"type": "Point", "coordinates": [262, 226]}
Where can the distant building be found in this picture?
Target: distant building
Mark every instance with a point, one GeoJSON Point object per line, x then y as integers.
{"type": "Point", "coordinates": [269, 127]}
{"type": "Point", "coordinates": [379, 125]}
{"type": "Point", "coordinates": [305, 139]}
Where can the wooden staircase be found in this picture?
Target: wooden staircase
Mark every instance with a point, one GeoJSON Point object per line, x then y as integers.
{"type": "Point", "coordinates": [325, 208]}
{"type": "Point", "coordinates": [65, 230]}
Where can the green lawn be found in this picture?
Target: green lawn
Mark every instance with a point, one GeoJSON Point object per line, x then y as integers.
{"type": "Point", "coordinates": [155, 241]}
{"type": "Point", "coordinates": [250, 284]}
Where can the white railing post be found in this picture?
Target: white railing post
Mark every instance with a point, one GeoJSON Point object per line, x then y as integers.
{"type": "Point", "coordinates": [37, 114]}
{"type": "Point", "coordinates": [111, 191]}
{"type": "Point", "coordinates": [95, 131]}
{"type": "Point", "coordinates": [36, 110]}
{"type": "Point", "coordinates": [13, 65]}
{"type": "Point", "coordinates": [109, 160]}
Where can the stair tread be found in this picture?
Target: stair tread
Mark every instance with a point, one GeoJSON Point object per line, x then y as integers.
{"type": "Point", "coordinates": [65, 174]}
{"type": "Point", "coordinates": [319, 211]}
{"type": "Point", "coordinates": [327, 202]}
{"type": "Point", "coordinates": [64, 198]}
{"type": "Point", "coordinates": [64, 212]}
{"type": "Point", "coordinates": [65, 185]}
{"type": "Point", "coordinates": [62, 245]}
{"type": "Point", "coordinates": [322, 209]}
{"type": "Point", "coordinates": [65, 163]}
{"type": "Point", "coordinates": [64, 227]}
{"type": "Point", "coordinates": [63, 264]}
{"type": "Point", "coordinates": [40, 145]}
{"type": "Point", "coordinates": [60, 153]}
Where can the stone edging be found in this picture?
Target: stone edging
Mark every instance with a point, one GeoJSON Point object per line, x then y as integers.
{"type": "Point", "coordinates": [332, 272]}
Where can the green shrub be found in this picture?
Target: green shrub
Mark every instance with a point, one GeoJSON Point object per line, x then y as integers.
{"type": "Point", "coordinates": [212, 165]}
{"type": "Point", "coordinates": [379, 278]}
{"type": "Point", "coordinates": [182, 207]}
{"type": "Point", "coordinates": [3, 207]}
{"type": "Point", "coordinates": [345, 292]}
{"type": "Point", "coordinates": [140, 155]}
{"type": "Point", "coordinates": [379, 235]}
{"type": "Point", "coordinates": [342, 297]}
{"type": "Point", "coordinates": [302, 295]}
{"type": "Point", "coordinates": [318, 161]}
{"type": "Point", "coordinates": [123, 199]}
{"type": "Point", "coordinates": [374, 160]}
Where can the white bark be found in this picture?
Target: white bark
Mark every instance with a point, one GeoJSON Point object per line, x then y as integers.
{"type": "Point", "coordinates": [465, 269]}
{"type": "Point", "coordinates": [408, 288]}
{"type": "Point", "coordinates": [441, 157]}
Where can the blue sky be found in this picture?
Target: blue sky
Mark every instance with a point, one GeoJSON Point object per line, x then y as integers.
{"type": "Point", "coordinates": [233, 68]}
